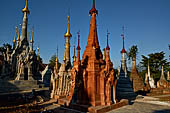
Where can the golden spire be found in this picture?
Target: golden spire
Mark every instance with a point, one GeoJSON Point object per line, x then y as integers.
{"type": "Point", "coordinates": [57, 55]}
{"type": "Point", "coordinates": [74, 57]}
{"type": "Point", "coordinates": [14, 41]}
{"type": "Point", "coordinates": [18, 38]}
{"type": "Point", "coordinates": [68, 34]}
{"type": "Point", "coordinates": [26, 8]}
{"type": "Point", "coordinates": [32, 41]}
{"type": "Point", "coordinates": [64, 56]}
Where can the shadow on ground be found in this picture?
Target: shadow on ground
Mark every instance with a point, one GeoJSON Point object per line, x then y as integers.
{"type": "Point", "coordinates": [162, 111]}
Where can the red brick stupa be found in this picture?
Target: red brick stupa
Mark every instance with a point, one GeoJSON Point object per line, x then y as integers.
{"type": "Point", "coordinates": [92, 78]}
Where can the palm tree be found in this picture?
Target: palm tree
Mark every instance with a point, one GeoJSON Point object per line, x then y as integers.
{"type": "Point", "coordinates": [133, 51]}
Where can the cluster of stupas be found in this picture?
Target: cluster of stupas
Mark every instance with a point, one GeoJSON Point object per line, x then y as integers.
{"type": "Point", "coordinates": [60, 79]}
{"type": "Point", "coordinates": [90, 81]}
{"type": "Point", "coordinates": [21, 65]}
{"type": "Point", "coordinates": [21, 61]}
{"type": "Point", "coordinates": [91, 76]}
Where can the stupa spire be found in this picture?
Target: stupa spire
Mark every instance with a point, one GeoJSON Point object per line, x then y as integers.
{"type": "Point", "coordinates": [74, 56]}
{"type": "Point", "coordinates": [24, 25]}
{"type": "Point", "coordinates": [68, 34]}
{"type": "Point", "coordinates": [15, 39]}
{"type": "Point", "coordinates": [93, 10]}
{"type": "Point", "coordinates": [26, 8]}
{"type": "Point", "coordinates": [123, 52]}
{"type": "Point", "coordinates": [67, 44]}
{"type": "Point", "coordinates": [78, 48]}
{"type": "Point", "coordinates": [162, 73]}
{"type": "Point", "coordinates": [32, 41]}
{"type": "Point", "coordinates": [18, 38]}
{"type": "Point", "coordinates": [92, 38]}
{"type": "Point", "coordinates": [56, 65]}
{"type": "Point", "coordinates": [107, 47]}
{"type": "Point", "coordinates": [123, 37]}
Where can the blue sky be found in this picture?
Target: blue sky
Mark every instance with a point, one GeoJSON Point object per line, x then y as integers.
{"type": "Point", "coordinates": [147, 24]}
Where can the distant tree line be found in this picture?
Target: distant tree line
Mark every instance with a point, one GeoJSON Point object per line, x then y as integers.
{"type": "Point", "coordinates": [154, 60]}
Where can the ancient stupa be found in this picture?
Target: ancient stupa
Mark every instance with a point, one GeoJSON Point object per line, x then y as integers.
{"type": "Point", "coordinates": [92, 78]}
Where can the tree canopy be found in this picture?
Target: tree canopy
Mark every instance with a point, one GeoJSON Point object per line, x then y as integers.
{"type": "Point", "coordinates": [4, 47]}
{"type": "Point", "coordinates": [155, 60]}
{"type": "Point", "coordinates": [52, 61]}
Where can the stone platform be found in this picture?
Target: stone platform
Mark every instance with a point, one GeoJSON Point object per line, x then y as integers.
{"type": "Point", "coordinates": [91, 109]}
{"type": "Point", "coordinates": [103, 109]}
{"type": "Point", "coordinates": [159, 91]}
{"type": "Point", "coordinates": [17, 85]}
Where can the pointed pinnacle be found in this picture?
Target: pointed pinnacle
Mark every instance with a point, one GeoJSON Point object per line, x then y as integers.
{"type": "Point", "coordinates": [93, 10]}
{"type": "Point", "coordinates": [107, 47]}
{"type": "Point", "coordinates": [26, 8]}
{"type": "Point", "coordinates": [78, 46]}
{"type": "Point", "coordinates": [68, 34]}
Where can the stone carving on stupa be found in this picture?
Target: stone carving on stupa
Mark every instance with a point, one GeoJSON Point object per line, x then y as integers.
{"type": "Point", "coordinates": [61, 77]}
{"type": "Point", "coordinates": [92, 78]}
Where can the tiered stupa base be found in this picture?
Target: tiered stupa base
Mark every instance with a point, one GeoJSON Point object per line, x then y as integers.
{"type": "Point", "coordinates": [138, 84]}
{"type": "Point", "coordinates": [124, 88]}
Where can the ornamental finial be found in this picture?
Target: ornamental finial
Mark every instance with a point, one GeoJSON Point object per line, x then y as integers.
{"type": "Point", "coordinates": [123, 37]}
{"type": "Point", "coordinates": [93, 10]}
{"type": "Point", "coordinates": [18, 38]}
{"type": "Point", "coordinates": [68, 34]}
{"type": "Point", "coordinates": [32, 41]}
{"type": "Point", "coordinates": [107, 47]}
{"type": "Point", "coordinates": [78, 46]}
{"type": "Point", "coordinates": [14, 41]}
{"type": "Point", "coordinates": [26, 8]}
